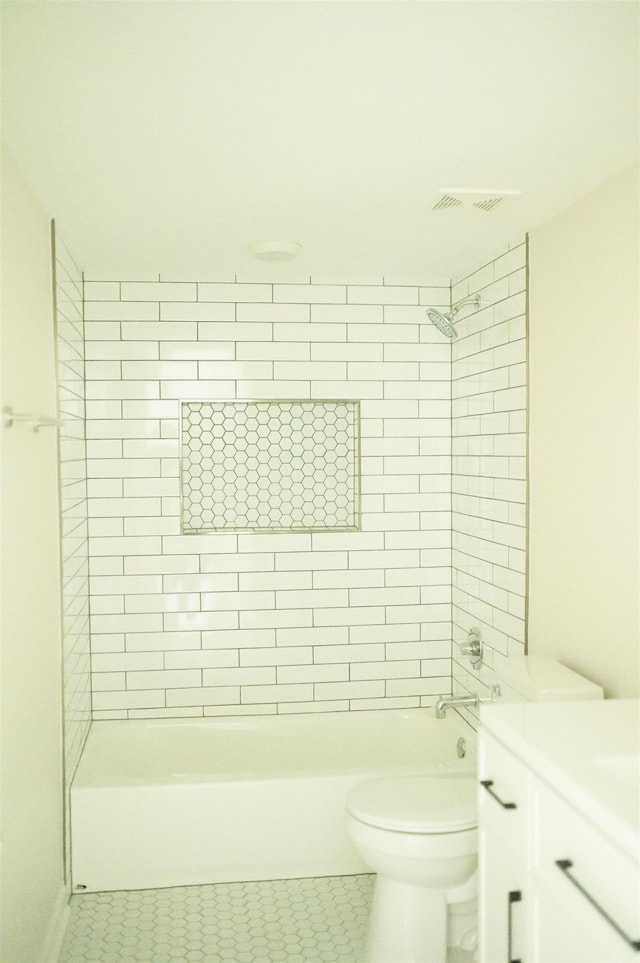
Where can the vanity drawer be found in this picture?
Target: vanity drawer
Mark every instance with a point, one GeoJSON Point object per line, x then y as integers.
{"type": "Point", "coordinates": [504, 793]}
{"type": "Point", "coordinates": [579, 867]}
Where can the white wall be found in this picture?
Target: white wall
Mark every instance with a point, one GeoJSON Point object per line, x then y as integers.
{"type": "Point", "coordinates": [584, 434]}
{"type": "Point", "coordinates": [32, 890]}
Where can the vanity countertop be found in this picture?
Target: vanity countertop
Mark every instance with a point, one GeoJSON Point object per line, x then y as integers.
{"type": "Point", "coordinates": [588, 752]}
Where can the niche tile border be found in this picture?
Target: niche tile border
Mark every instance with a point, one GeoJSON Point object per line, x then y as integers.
{"type": "Point", "coordinates": [287, 465]}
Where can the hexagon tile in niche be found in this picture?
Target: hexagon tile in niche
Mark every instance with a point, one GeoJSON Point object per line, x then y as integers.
{"type": "Point", "coordinates": [282, 921]}
{"type": "Point", "coordinates": [270, 465]}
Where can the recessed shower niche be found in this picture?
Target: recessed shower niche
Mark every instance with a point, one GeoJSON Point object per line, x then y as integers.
{"type": "Point", "coordinates": [270, 466]}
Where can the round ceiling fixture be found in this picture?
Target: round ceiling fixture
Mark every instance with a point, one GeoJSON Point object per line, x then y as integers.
{"type": "Point", "coordinates": [275, 250]}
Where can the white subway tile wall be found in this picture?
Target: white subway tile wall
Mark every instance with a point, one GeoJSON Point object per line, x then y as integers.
{"type": "Point", "coordinates": [489, 481]}
{"type": "Point", "coordinates": [73, 513]}
{"type": "Point", "coordinates": [232, 623]}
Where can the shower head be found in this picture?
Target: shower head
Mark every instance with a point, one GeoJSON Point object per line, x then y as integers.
{"type": "Point", "coordinates": [444, 321]}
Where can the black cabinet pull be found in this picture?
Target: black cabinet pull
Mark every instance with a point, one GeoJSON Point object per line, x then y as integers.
{"type": "Point", "coordinates": [514, 896]}
{"type": "Point", "coordinates": [488, 783]}
{"type": "Point", "coordinates": [565, 865]}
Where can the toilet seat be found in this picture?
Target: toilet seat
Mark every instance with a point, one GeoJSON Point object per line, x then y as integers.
{"type": "Point", "coordinates": [416, 804]}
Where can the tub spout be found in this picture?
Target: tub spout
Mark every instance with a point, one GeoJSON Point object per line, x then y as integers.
{"type": "Point", "coordinates": [444, 702]}
{"type": "Point", "coordinates": [473, 699]}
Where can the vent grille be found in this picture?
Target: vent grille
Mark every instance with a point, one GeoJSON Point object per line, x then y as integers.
{"type": "Point", "coordinates": [446, 201]}
{"type": "Point", "coordinates": [470, 200]}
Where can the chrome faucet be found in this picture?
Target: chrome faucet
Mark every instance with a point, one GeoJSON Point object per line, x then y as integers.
{"type": "Point", "coordinates": [473, 699]}
{"type": "Point", "coordinates": [444, 702]}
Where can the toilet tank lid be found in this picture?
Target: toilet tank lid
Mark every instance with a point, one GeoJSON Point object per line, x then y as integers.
{"type": "Point", "coordinates": [539, 678]}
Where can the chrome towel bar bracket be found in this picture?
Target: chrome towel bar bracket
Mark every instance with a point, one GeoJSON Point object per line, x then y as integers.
{"type": "Point", "coordinates": [9, 416]}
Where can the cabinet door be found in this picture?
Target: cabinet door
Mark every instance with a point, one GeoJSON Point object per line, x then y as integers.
{"type": "Point", "coordinates": [587, 904]}
{"type": "Point", "coordinates": [503, 903]}
{"type": "Point", "coordinates": [562, 931]}
{"type": "Point", "coordinates": [503, 854]}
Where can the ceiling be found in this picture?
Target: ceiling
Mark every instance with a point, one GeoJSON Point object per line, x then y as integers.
{"type": "Point", "coordinates": [167, 135]}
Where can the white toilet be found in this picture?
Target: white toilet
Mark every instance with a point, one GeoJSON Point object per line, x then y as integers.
{"type": "Point", "coordinates": [419, 834]}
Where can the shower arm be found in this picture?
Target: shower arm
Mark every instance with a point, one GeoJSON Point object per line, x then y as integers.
{"type": "Point", "coordinates": [474, 299]}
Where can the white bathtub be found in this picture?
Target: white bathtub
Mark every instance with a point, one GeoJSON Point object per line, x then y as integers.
{"type": "Point", "coordinates": [182, 802]}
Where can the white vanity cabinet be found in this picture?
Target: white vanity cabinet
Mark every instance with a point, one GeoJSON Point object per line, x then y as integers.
{"type": "Point", "coordinates": [559, 833]}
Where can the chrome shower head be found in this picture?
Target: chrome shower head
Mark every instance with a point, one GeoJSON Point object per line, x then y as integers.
{"type": "Point", "coordinates": [444, 321]}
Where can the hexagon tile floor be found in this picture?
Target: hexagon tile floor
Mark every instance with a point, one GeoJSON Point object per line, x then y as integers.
{"type": "Point", "coordinates": [283, 921]}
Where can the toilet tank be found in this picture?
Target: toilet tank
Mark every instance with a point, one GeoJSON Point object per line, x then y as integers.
{"type": "Point", "coordinates": [539, 678]}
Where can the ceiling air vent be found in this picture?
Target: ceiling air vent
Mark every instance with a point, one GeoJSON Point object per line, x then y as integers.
{"type": "Point", "coordinates": [463, 199]}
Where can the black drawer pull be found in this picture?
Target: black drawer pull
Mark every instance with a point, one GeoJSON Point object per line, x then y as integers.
{"type": "Point", "coordinates": [488, 783]}
{"type": "Point", "coordinates": [515, 896]}
{"type": "Point", "coordinates": [565, 865]}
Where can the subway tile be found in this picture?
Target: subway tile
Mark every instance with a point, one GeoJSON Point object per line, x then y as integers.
{"type": "Point", "coordinates": [206, 582]}
{"type": "Point", "coordinates": [273, 351]}
{"type": "Point", "coordinates": [132, 622]}
{"type": "Point", "coordinates": [365, 652]}
{"type": "Point", "coordinates": [115, 311]}
{"type": "Point", "coordinates": [383, 633]}
{"type": "Point", "coordinates": [313, 598]}
{"type": "Point", "coordinates": [294, 655]}
{"type": "Point", "coordinates": [159, 291]}
{"type": "Point", "coordinates": [109, 584]}
{"type": "Point", "coordinates": [310, 635]}
{"type": "Point", "coordinates": [276, 618]}
{"type": "Point", "coordinates": [345, 351]}
{"type": "Point", "coordinates": [164, 602]}
{"type": "Point", "coordinates": [194, 390]}
{"type": "Point", "coordinates": [349, 690]}
{"type": "Point", "coordinates": [121, 350]}
{"type": "Point", "coordinates": [306, 332]}
{"type": "Point", "coordinates": [197, 350]}
{"type": "Point", "coordinates": [276, 693]}
{"type": "Point", "coordinates": [346, 314]}
{"type": "Point", "coordinates": [199, 659]}
{"type": "Point", "coordinates": [400, 669]}
{"type": "Point", "coordinates": [125, 700]}
{"type": "Point", "coordinates": [160, 564]}
{"type": "Point", "coordinates": [194, 311]}
{"type": "Point", "coordinates": [101, 291]}
{"type": "Point", "coordinates": [359, 578]}
{"type": "Point", "coordinates": [199, 621]}
{"type": "Point", "coordinates": [148, 331]}
{"type": "Point", "coordinates": [312, 673]}
{"type": "Point", "coordinates": [264, 390]}
{"type": "Point", "coordinates": [127, 661]}
{"type": "Point", "coordinates": [240, 601]}
{"type": "Point", "coordinates": [235, 292]}
{"type": "Point", "coordinates": [167, 642]}
{"type": "Point", "coordinates": [383, 333]}
{"type": "Point", "coordinates": [245, 562]}
{"type": "Point", "coordinates": [384, 294]}
{"type": "Point", "coordinates": [403, 687]}
{"type": "Point", "coordinates": [235, 331]}
{"type": "Point", "coordinates": [204, 696]}
{"type": "Point", "coordinates": [280, 313]}
{"type": "Point", "coordinates": [364, 615]}
{"type": "Point", "coordinates": [282, 580]}
{"type": "Point", "coordinates": [243, 676]}
{"type": "Point", "coordinates": [309, 293]}
{"type": "Point", "coordinates": [243, 639]}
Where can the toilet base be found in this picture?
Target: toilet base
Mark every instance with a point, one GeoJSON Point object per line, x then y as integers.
{"type": "Point", "coordinates": [411, 924]}
{"type": "Point", "coordinates": [408, 924]}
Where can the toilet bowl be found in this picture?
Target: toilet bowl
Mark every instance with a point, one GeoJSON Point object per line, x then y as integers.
{"type": "Point", "coordinates": [418, 833]}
